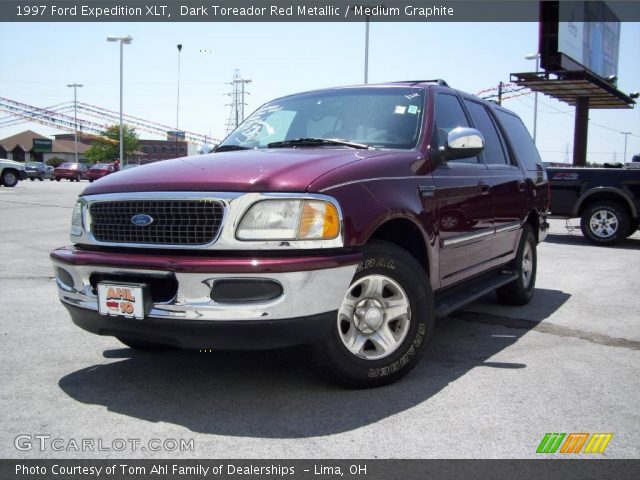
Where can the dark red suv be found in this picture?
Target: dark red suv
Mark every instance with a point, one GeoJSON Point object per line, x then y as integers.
{"type": "Point", "coordinates": [347, 219]}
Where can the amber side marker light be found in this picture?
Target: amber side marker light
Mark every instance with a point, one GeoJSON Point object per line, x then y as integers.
{"type": "Point", "coordinates": [319, 221]}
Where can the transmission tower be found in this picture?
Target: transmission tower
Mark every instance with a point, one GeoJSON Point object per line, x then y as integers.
{"type": "Point", "coordinates": [237, 94]}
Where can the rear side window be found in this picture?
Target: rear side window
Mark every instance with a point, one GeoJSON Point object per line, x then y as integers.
{"type": "Point", "coordinates": [493, 150]}
{"type": "Point", "coordinates": [520, 139]}
{"type": "Point", "coordinates": [449, 115]}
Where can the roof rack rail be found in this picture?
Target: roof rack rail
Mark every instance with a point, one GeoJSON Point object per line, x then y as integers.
{"type": "Point", "coordinates": [438, 81]}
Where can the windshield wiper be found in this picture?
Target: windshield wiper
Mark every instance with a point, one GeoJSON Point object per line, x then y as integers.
{"type": "Point", "coordinates": [313, 142]}
{"type": "Point", "coordinates": [228, 148]}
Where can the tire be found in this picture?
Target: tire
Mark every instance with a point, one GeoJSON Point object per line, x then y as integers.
{"type": "Point", "coordinates": [31, 178]}
{"type": "Point", "coordinates": [634, 226]}
{"type": "Point", "coordinates": [377, 355]}
{"type": "Point", "coordinates": [604, 223]}
{"type": "Point", "coordinates": [41, 177]}
{"type": "Point", "coordinates": [57, 179]}
{"type": "Point", "coordinates": [520, 291]}
{"type": "Point", "coordinates": [9, 178]}
{"type": "Point", "coordinates": [144, 346]}
{"type": "Point", "coordinates": [91, 180]}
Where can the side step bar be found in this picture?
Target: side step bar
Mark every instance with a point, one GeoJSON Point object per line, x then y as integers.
{"type": "Point", "coordinates": [457, 296]}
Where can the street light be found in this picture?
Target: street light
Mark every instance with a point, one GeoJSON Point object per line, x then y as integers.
{"type": "Point", "coordinates": [624, 159]}
{"type": "Point", "coordinates": [536, 57]}
{"type": "Point", "coordinates": [178, 102]}
{"type": "Point", "coordinates": [124, 40]}
{"type": "Point", "coordinates": [75, 114]}
{"type": "Point", "coordinates": [366, 52]}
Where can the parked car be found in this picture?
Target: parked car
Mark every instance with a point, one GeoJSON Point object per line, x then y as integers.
{"type": "Point", "coordinates": [71, 171]}
{"type": "Point", "coordinates": [11, 172]}
{"type": "Point", "coordinates": [316, 222]}
{"type": "Point", "coordinates": [606, 200]}
{"type": "Point", "coordinates": [38, 170]}
{"type": "Point", "coordinates": [99, 170]}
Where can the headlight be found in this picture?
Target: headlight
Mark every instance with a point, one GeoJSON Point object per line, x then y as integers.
{"type": "Point", "coordinates": [290, 220]}
{"type": "Point", "coordinates": [76, 220]}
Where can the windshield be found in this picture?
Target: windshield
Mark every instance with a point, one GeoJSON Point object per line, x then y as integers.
{"type": "Point", "coordinates": [33, 164]}
{"type": "Point", "coordinates": [378, 117]}
{"type": "Point", "coordinates": [100, 166]}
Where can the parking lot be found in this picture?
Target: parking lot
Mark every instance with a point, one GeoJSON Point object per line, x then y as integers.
{"type": "Point", "coordinates": [493, 381]}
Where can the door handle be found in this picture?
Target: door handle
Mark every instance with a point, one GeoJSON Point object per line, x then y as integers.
{"type": "Point", "coordinates": [484, 187]}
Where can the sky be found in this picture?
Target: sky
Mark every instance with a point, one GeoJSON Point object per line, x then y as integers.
{"type": "Point", "coordinates": [39, 60]}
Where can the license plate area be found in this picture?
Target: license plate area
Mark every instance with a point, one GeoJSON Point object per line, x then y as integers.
{"type": "Point", "coordinates": [129, 300]}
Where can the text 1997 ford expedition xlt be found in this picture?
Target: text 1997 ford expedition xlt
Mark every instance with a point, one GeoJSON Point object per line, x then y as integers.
{"type": "Point", "coordinates": [346, 219]}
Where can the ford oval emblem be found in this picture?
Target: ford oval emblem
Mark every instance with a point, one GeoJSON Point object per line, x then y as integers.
{"type": "Point", "coordinates": [141, 220]}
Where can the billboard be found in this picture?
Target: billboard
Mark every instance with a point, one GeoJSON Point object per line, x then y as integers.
{"type": "Point", "coordinates": [579, 36]}
{"type": "Point", "coordinates": [594, 43]}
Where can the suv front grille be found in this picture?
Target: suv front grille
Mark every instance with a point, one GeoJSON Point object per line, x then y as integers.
{"type": "Point", "coordinates": [175, 222]}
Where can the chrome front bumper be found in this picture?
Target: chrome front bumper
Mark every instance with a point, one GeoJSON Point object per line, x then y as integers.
{"type": "Point", "coordinates": [304, 293]}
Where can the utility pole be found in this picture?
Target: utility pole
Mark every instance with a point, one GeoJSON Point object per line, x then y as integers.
{"type": "Point", "coordinates": [624, 159]}
{"type": "Point", "coordinates": [75, 116]}
{"type": "Point", "coordinates": [500, 94]}
{"type": "Point", "coordinates": [236, 116]}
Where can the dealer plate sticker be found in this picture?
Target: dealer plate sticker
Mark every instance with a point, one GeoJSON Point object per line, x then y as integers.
{"type": "Point", "coordinates": [120, 300]}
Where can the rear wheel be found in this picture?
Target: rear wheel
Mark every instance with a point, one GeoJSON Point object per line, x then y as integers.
{"type": "Point", "coordinates": [31, 178]}
{"type": "Point", "coordinates": [386, 317]}
{"type": "Point", "coordinates": [57, 179]}
{"type": "Point", "coordinates": [604, 223]}
{"type": "Point", "coordinates": [520, 290]}
{"type": "Point", "coordinates": [41, 177]}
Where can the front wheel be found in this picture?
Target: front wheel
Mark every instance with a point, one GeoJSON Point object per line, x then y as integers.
{"type": "Point", "coordinates": [386, 317]}
{"type": "Point", "coordinates": [520, 290]}
{"type": "Point", "coordinates": [604, 223]}
{"type": "Point", "coordinates": [9, 178]}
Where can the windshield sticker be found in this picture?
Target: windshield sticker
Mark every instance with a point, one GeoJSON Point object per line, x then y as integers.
{"type": "Point", "coordinates": [413, 109]}
{"type": "Point", "coordinates": [400, 109]}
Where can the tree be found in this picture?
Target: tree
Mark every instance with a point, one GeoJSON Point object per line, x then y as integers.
{"type": "Point", "coordinates": [107, 148]}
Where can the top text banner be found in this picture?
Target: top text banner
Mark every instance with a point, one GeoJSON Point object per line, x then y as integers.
{"type": "Point", "coordinates": [288, 11]}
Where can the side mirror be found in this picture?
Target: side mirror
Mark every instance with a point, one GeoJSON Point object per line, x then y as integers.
{"type": "Point", "coordinates": [463, 143]}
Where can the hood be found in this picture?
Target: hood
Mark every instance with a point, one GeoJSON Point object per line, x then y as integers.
{"type": "Point", "coordinates": [265, 170]}
{"type": "Point", "coordinates": [13, 163]}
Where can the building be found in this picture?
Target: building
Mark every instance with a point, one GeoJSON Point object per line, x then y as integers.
{"type": "Point", "coordinates": [155, 150]}
{"type": "Point", "coordinates": [30, 146]}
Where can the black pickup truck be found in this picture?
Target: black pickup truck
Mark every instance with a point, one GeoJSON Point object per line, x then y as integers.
{"type": "Point", "coordinates": [607, 200]}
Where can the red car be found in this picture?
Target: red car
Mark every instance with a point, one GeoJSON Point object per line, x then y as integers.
{"type": "Point", "coordinates": [71, 171]}
{"type": "Point", "coordinates": [99, 170]}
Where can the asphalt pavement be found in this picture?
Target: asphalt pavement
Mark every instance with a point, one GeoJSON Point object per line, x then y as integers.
{"type": "Point", "coordinates": [493, 381]}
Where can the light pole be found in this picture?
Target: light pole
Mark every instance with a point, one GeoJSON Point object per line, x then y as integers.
{"type": "Point", "coordinates": [366, 51]}
{"type": "Point", "coordinates": [178, 101]}
{"type": "Point", "coordinates": [75, 115]}
{"type": "Point", "coordinates": [536, 57]}
{"type": "Point", "coordinates": [624, 159]}
{"type": "Point", "coordinates": [127, 39]}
